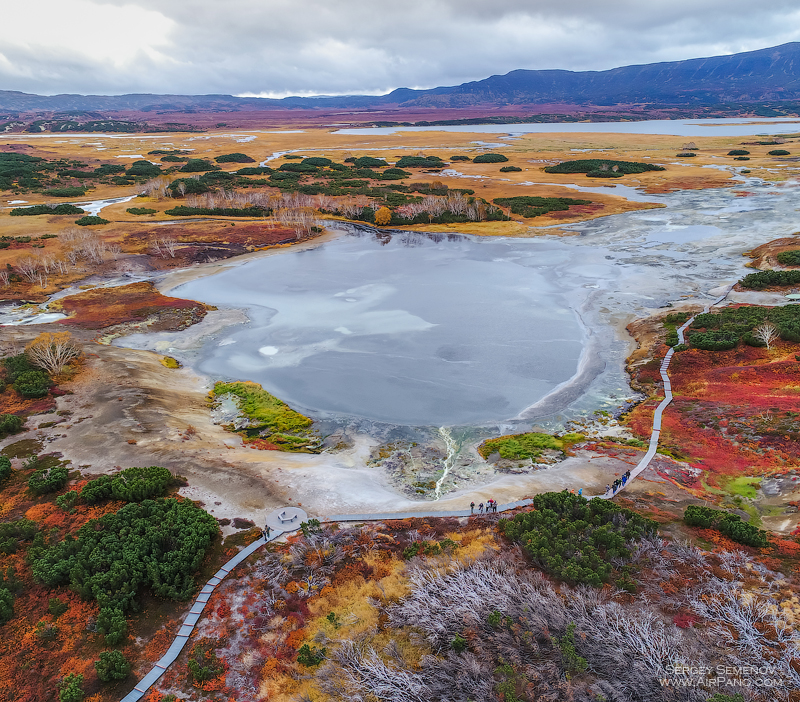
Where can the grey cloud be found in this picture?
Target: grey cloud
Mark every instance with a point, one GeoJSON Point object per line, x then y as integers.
{"type": "Point", "coordinates": [355, 46]}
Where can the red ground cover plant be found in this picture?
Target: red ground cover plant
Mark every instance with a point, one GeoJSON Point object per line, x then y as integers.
{"type": "Point", "coordinates": [733, 412]}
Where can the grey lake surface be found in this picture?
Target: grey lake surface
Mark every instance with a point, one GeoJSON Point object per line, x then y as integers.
{"type": "Point", "coordinates": [431, 330]}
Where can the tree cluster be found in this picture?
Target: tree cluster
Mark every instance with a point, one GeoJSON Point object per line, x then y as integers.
{"type": "Point", "coordinates": [131, 485]}
{"type": "Point", "coordinates": [595, 167]}
{"type": "Point", "coordinates": [234, 158]}
{"type": "Point", "coordinates": [489, 158]}
{"type": "Point", "coordinates": [575, 539]}
{"type": "Point", "coordinates": [531, 206]}
{"type": "Point", "coordinates": [727, 523]}
{"type": "Point", "coordinates": [725, 328]}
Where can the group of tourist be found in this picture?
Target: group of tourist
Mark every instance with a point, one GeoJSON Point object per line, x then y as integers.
{"type": "Point", "coordinates": [618, 483]}
{"type": "Point", "coordinates": [490, 506]}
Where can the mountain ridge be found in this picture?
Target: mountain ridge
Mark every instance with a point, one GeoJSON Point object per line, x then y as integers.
{"type": "Point", "coordinates": [770, 74]}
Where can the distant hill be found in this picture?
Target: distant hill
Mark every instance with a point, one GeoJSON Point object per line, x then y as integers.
{"type": "Point", "coordinates": [766, 75]}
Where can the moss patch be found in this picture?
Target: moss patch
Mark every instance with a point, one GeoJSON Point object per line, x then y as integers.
{"type": "Point", "coordinates": [530, 445]}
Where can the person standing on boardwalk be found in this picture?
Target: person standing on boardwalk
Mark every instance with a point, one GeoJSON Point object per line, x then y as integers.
{"type": "Point", "coordinates": [480, 508]}
{"type": "Point", "coordinates": [472, 508]}
{"type": "Point", "coordinates": [608, 489]}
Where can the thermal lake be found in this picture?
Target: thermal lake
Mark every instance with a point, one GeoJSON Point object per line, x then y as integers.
{"type": "Point", "coordinates": [451, 330]}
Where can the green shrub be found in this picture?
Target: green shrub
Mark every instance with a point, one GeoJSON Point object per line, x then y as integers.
{"type": "Point", "coordinates": [310, 656]}
{"type": "Point", "coordinates": [369, 162]}
{"type": "Point", "coordinates": [165, 542]}
{"type": "Point", "coordinates": [778, 152]}
{"type": "Point", "coordinates": [56, 607]}
{"type": "Point", "coordinates": [46, 210]}
{"type": "Point", "coordinates": [531, 206]}
{"type": "Point", "coordinates": [5, 463]}
{"type": "Point", "coordinates": [140, 211]}
{"type": "Point", "coordinates": [742, 158]}
{"type": "Point", "coordinates": [111, 622]}
{"type": "Point", "coordinates": [32, 383]}
{"type": "Point", "coordinates": [6, 605]}
{"type": "Point", "coordinates": [572, 662]}
{"type": "Point", "coordinates": [255, 170]}
{"type": "Point", "coordinates": [66, 192]}
{"type": "Point", "coordinates": [112, 665]}
{"type": "Point", "coordinates": [11, 533]}
{"type": "Point", "coordinates": [460, 158]}
{"type": "Point", "coordinates": [510, 169]}
{"type": "Point", "coordinates": [137, 484]}
{"type": "Point", "coordinates": [183, 211]}
{"type": "Point", "coordinates": [738, 152]}
{"type": "Point", "coordinates": [67, 500]}
{"type": "Point", "coordinates": [9, 424]}
{"type": "Point", "coordinates": [48, 479]}
{"type": "Point", "coordinates": [458, 644]}
{"type": "Point", "coordinates": [203, 664]}
{"type": "Point", "coordinates": [90, 221]}
{"type": "Point", "coordinates": [97, 490]}
{"type": "Point", "coordinates": [490, 158]}
{"type": "Point", "coordinates": [419, 162]}
{"type": "Point", "coordinates": [593, 165]}
{"type": "Point", "coordinates": [731, 525]}
{"type": "Point", "coordinates": [109, 169]}
{"type": "Point", "coordinates": [144, 169]}
{"type": "Point", "coordinates": [70, 689]}
{"type": "Point", "coordinates": [575, 539]}
{"type": "Point", "coordinates": [789, 258]}
{"type": "Point", "coordinates": [234, 158]}
{"type": "Point", "coordinates": [763, 279]}
{"type": "Point", "coordinates": [302, 167]}
{"type": "Point", "coordinates": [320, 161]}
{"type": "Point", "coordinates": [700, 516]}
{"type": "Point", "coordinates": [686, 154]}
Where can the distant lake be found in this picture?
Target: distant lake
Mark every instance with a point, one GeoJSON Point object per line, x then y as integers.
{"type": "Point", "coordinates": [679, 127]}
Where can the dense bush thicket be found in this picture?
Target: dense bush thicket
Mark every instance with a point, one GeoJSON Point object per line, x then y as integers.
{"type": "Point", "coordinates": [524, 446]}
{"type": "Point", "coordinates": [131, 485]}
{"type": "Point", "coordinates": [369, 162]}
{"type": "Point", "coordinates": [765, 279]}
{"type": "Point", "coordinates": [419, 162]}
{"type": "Point", "coordinates": [66, 192]}
{"type": "Point", "coordinates": [91, 220]}
{"type": "Point", "coordinates": [731, 525]}
{"type": "Point", "coordinates": [144, 169]}
{"type": "Point", "coordinates": [575, 539]}
{"type": "Point", "coordinates": [184, 211]}
{"type": "Point", "coordinates": [722, 330]}
{"type": "Point", "coordinates": [530, 206]}
{"type": "Point", "coordinates": [9, 424]}
{"type": "Point", "coordinates": [155, 544]}
{"type": "Point", "coordinates": [46, 210]}
{"type": "Point", "coordinates": [490, 158]}
{"type": "Point", "coordinates": [5, 463]}
{"type": "Point", "coordinates": [112, 665]}
{"type": "Point", "coordinates": [48, 479]}
{"type": "Point", "coordinates": [317, 161]}
{"type": "Point", "coordinates": [596, 167]}
{"type": "Point", "coordinates": [738, 152]}
{"type": "Point", "coordinates": [174, 159]}
{"type": "Point", "coordinates": [254, 170]}
{"type": "Point", "coordinates": [234, 158]}
{"type": "Point", "coordinates": [198, 165]}
{"type": "Point", "coordinates": [460, 158]}
{"type": "Point", "coordinates": [778, 152]}
{"type": "Point", "coordinates": [510, 169]}
{"type": "Point", "coordinates": [141, 210]}
{"type": "Point", "coordinates": [789, 258]}
{"type": "Point", "coordinates": [11, 533]}
{"type": "Point", "coordinates": [109, 169]}
{"type": "Point", "coordinates": [27, 379]}
{"type": "Point", "coordinates": [686, 154]}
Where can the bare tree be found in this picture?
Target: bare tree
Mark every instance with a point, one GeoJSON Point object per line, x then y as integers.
{"type": "Point", "coordinates": [52, 351]}
{"type": "Point", "coordinates": [5, 278]}
{"type": "Point", "coordinates": [28, 266]}
{"type": "Point", "coordinates": [766, 332]}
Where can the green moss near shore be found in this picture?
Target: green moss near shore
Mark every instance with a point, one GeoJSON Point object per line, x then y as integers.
{"type": "Point", "coordinates": [517, 447]}
{"type": "Point", "coordinates": [270, 420]}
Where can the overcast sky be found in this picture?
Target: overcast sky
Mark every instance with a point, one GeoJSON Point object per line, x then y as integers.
{"type": "Point", "coordinates": [302, 47]}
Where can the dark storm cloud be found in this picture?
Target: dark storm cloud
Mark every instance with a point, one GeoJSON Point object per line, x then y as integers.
{"type": "Point", "coordinates": [353, 46]}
